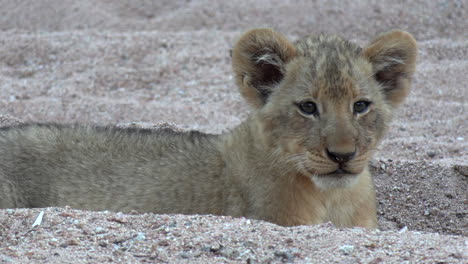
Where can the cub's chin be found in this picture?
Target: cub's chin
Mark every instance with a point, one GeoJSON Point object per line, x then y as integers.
{"type": "Point", "coordinates": [334, 180]}
{"type": "Point", "coordinates": [339, 178]}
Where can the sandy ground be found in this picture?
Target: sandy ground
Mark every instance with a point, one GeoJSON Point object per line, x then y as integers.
{"type": "Point", "coordinates": [146, 62]}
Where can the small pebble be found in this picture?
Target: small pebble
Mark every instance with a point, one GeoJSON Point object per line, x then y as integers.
{"type": "Point", "coordinates": [216, 249]}
{"type": "Point", "coordinates": [284, 255]}
{"type": "Point", "coordinates": [463, 170]}
{"type": "Point", "coordinates": [53, 241]}
{"type": "Point", "coordinates": [346, 249]}
{"type": "Point", "coordinates": [99, 230]}
{"type": "Point", "coordinates": [404, 229]}
{"type": "Point", "coordinates": [140, 236]}
{"type": "Point", "coordinates": [163, 243]}
{"type": "Point", "coordinates": [70, 242]}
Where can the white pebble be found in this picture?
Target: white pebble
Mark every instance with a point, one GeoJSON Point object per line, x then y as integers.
{"type": "Point", "coordinates": [140, 236]}
{"type": "Point", "coordinates": [404, 229]}
{"type": "Point", "coordinates": [346, 249]}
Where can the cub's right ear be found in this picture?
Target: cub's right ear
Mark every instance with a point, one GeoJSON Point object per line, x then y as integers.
{"type": "Point", "coordinates": [258, 61]}
{"type": "Point", "coordinates": [393, 57]}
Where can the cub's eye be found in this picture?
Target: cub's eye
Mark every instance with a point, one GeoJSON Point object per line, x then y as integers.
{"type": "Point", "coordinates": [361, 107]}
{"type": "Point", "coordinates": [308, 108]}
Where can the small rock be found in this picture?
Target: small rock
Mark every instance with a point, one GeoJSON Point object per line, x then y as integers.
{"type": "Point", "coordinates": [284, 255]}
{"type": "Point", "coordinates": [431, 154]}
{"type": "Point", "coordinates": [53, 242]}
{"type": "Point", "coordinates": [460, 215]}
{"type": "Point", "coordinates": [376, 261]}
{"type": "Point", "coordinates": [346, 249]}
{"type": "Point", "coordinates": [163, 243]}
{"type": "Point", "coordinates": [249, 244]}
{"type": "Point", "coordinates": [71, 242]}
{"type": "Point", "coordinates": [172, 224]}
{"type": "Point", "coordinates": [140, 236]}
{"type": "Point", "coordinates": [216, 249]}
{"type": "Point", "coordinates": [102, 244]}
{"type": "Point", "coordinates": [251, 261]}
{"type": "Point", "coordinates": [184, 255]}
{"type": "Point", "coordinates": [119, 218]}
{"type": "Point", "coordinates": [457, 255]}
{"type": "Point", "coordinates": [463, 170]}
{"type": "Point", "coordinates": [426, 212]}
{"type": "Point", "coordinates": [229, 253]}
{"type": "Point", "coordinates": [435, 211]}
{"type": "Point", "coordinates": [99, 230]}
{"type": "Point", "coordinates": [370, 246]}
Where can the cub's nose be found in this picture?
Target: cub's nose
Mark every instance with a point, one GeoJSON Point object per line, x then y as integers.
{"type": "Point", "coordinates": [339, 157]}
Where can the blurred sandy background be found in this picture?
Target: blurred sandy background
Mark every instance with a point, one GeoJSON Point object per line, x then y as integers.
{"type": "Point", "coordinates": [147, 62]}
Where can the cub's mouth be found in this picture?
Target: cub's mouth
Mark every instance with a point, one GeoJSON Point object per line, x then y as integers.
{"type": "Point", "coordinates": [338, 173]}
{"type": "Point", "coordinates": [335, 174]}
{"type": "Point", "coordinates": [339, 178]}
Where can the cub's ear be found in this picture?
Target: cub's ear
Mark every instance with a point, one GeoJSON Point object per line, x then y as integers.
{"type": "Point", "coordinates": [258, 61]}
{"type": "Point", "coordinates": [393, 57]}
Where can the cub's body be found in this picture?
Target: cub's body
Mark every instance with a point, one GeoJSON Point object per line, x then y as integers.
{"type": "Point", "coordinates": [320, 107]}
{"type": "Point", "coordinates": [110, 169]}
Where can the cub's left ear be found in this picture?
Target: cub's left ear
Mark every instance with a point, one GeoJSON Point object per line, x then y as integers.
{"type": "Point", "coordinates": [393, 58]}
{"type": "Point", "coordinates": [258, 61]}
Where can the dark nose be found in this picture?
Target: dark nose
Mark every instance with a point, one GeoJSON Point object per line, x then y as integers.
{"type": "Point", "coordinates": [339, 157]}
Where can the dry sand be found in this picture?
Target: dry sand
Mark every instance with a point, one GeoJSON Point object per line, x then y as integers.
{"type": "Point", "coordinates": [146, 62]}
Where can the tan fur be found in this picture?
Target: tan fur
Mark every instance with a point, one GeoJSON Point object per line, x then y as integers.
{"type": "Point", "coordinates": [282, 165]}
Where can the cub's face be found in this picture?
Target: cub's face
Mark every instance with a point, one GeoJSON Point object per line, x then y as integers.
{"type": "Point", "coordinates": [323, 103]}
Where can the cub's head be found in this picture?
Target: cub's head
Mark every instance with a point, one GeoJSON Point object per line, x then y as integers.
{"type": "Point", "coordinates": [323, 103]}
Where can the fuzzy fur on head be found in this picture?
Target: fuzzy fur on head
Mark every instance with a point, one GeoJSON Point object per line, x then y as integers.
{"type": "Point", "coordinates": [276, 76]}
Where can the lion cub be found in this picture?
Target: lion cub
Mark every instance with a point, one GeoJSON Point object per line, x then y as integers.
{"type": "Point", "coordinates": [320, 107]}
